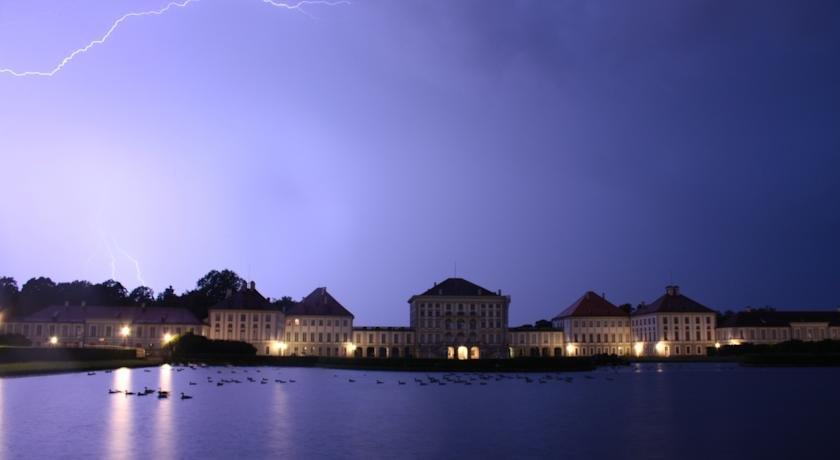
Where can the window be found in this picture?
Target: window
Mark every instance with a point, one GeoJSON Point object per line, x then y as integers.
{"type": "Point", "coordinates": [242, 317]}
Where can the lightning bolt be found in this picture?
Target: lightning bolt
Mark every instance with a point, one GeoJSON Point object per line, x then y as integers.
{"type": "Point", "coordinates": [298, 6]}
{"type": "Point", "coordinates": [96, 42]}
{"type": "Point", "coordinates": [136, 263]}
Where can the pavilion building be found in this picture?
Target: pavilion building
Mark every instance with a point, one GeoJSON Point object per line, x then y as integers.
{"type": "Point", "coordinates": [673, 325]}
{"type": "Point", "coordinates": [592, 325]}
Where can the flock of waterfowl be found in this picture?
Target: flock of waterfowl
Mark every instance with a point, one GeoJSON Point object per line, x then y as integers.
{"type": "Point", "coordinates": [232, 377]}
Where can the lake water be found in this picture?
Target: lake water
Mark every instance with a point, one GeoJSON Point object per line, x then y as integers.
{"type": "Point", "coordinates": [659, 411]}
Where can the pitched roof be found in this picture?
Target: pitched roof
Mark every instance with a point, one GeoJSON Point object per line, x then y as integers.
{"type": "Point", "coordinates": [772, 318]}
{"type": "Point", "coordinates": [673, 302]}
{"type": "Point", "coordinates": [591, 304]}
{"type": "Point", "coordinates": [458, 287]}
{"type": "Point", "coordinates": [318, 303]}
{"type": "Point", "coordinates": [247, 298]}
{"type": "Point", "coordinates": [132, 315]}
{"type": "Point", "coordinates": [532, 328]}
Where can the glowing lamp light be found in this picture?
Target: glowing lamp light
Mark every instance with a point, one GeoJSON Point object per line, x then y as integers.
{"type": "Point", "coordinates": [53, 340]}
{"type": "Point", "coordinates": [660, 347]}
{"type": "Point", "coordinates": [125, 331]}
{"type": "Point", "coordinates": [638, 347]}
{"type": "Point", "coordinates": [570, 349]}
{"type": "Point", "coordinates": [167, 337]}
{"type": "Point", "coordinates": [351, 347]}
{"type": "Point", "coordinates": [717, 345]}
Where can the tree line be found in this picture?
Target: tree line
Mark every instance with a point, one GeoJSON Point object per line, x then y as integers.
{"type": "Point", "coordinates": [41, 292]}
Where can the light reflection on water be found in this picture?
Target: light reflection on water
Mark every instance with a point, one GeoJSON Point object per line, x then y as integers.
{"type": "Point", "coordinates": [648, 411]}
{"type": "Point", "coordinates": [163, 417]}
{"type": "Point", "coordinates": [119, 420]}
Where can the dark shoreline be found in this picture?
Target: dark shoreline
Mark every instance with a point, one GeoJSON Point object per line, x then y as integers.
{"type": "Point", "coordinates": [30, 368]}
{"type": "Point", "coordinates": [409, 364]}
{"type": "Point", "coordinates": [521, 365]}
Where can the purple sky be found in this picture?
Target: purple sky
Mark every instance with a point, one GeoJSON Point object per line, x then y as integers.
{"type": "Point", "coordinates": [548, 147]}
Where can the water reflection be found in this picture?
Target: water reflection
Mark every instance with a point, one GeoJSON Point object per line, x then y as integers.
{"type": "Point", "coordinates": [119, 420]}
{"type": "Point", "coordinates": [280, 420]}
{"type": "Point", "coordinates": [2, 424]}
{"type": "Point", "coordinates": [163, 432]}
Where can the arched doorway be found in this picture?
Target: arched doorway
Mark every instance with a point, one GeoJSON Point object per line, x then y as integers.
{"type": "Point", "coordinates": [474, 353]}
{"type": "Point", "coordinates": [463, 353]}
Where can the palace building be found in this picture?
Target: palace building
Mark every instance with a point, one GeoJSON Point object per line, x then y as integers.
{"type": "Point", "coordinates": [764, 326]}
{"type": "Point", "coordinates": [673, 325]}
{"type": "Point", "coordinates": [594, 326]}
{"type": "Point", "coordinates": [460, 319]}
{"type": "Point", "coordinates": [454, 319]}
{"type": "Point", "coordinates": [245, 315]}
{"type": "Point", "coordinates": [318, 325]}
{"type": "Point", "coordinates": [95, 325]}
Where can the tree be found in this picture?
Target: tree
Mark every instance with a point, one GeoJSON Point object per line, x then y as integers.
{"type": "Point", "coordinates": [111, 293]}
{"type": "Point", "coordinates": [168, 298]}
{"type": "Point", "coordinates": [214, 286]}
{"type": "Point", "coordinates": [283, 303]}
{"type": "Point", "coordinates": [36, 294]}
{"type": "Point", "coordinates": [8, 293]}
{"type": "Point", "coordinates": [142, 295]}
{"type": "Point", "coordinates": [75, 292]}
{"type": "Point", "coordinates": [626, 308]}
{"type": "Point", "coordinates": [542, 323]}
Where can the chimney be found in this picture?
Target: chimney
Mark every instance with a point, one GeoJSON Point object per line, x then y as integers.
{"type": "Point", "coordinates": [672, 290]}
{"type": "Point", "coordinates": [500, 292]}
{"type": "Point", "coordinates": [604, 295]}
{"type": "Point", "coordinates": [435, 284]}
{"type": "Point", "coordinates": [253, 285]}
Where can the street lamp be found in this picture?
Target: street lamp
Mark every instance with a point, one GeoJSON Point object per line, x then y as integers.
{"type": "Point", "coordinates": [124, 333]}
{"type": "Point", "coordinates": [167, 338]}
{"type": "Point", "coordinates": [53, 340]}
